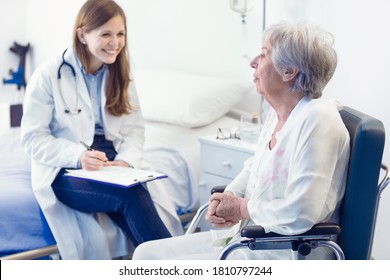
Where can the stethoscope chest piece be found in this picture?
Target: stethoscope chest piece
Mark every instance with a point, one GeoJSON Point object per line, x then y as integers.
{"type": "Point", "coordinates": [75, 112]}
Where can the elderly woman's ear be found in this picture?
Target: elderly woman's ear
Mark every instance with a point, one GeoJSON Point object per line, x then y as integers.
{"type": "Point", "coordinates": [290, 74]}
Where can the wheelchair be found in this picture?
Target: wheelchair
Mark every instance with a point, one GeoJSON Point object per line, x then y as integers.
{"type": "Point", "coordinates": [355, 231]}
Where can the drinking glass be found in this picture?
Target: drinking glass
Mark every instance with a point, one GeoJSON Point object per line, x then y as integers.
{"type": "Point", "coordinates": [250, 127]}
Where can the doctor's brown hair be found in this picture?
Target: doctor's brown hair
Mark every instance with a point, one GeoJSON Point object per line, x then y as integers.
{"type": "Point", "coordinates": [93, 14]}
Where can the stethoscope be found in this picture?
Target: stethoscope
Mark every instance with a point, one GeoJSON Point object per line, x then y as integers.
{"type": "Point", "coordinates": [67, 110]}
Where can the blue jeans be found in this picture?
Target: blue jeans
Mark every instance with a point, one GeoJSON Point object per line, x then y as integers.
{"type": "Point", "coordinates": [131, 208]}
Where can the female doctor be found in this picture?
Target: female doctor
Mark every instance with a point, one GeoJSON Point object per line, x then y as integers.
{"type": "Point", "coordinates": [86, 95]}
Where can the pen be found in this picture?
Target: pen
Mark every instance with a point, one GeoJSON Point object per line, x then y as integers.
{"type": "Point", "coordinates": [86, 146]}
{"type": "Point", "coordinates": [89, 148]}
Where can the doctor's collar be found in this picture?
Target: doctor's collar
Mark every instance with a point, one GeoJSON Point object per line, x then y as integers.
{"type": "Point", "coordinates": [82, 68]}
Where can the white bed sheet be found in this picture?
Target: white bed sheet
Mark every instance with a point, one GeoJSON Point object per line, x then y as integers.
{"type": "Point", "coordinates": [175, 151]}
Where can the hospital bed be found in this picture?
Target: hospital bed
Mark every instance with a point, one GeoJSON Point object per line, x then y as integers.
{"type": "Point", "coordinates": [178, 109]}
{"type": "Point", "coordinates": [22, 224]}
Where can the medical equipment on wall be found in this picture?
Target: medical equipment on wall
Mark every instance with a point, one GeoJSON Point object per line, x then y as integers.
{"type": "Point", "coordinates": [67, 110]}
{"type": "Point", "coordinates": [18, 77]}
{"type": "Point", "coordinates": [242, 7]}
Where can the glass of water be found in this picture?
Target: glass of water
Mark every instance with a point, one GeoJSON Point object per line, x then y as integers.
{"type": "Point", "coordinates": [250, 127]}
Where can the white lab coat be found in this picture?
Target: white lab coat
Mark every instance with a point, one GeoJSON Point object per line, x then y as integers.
{"type": "Point", "coordinates": [52, 138]}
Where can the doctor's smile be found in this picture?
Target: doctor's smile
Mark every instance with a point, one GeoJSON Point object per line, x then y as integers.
{"type": "Point", "coordinates": [104, 42]}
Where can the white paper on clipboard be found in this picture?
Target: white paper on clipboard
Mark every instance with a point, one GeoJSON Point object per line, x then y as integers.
{"type": "Point", "coordinates": [117, 175]}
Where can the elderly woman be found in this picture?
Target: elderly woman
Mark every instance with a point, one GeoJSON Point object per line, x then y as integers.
{"type": "Point", "coordinates": [297, 176]}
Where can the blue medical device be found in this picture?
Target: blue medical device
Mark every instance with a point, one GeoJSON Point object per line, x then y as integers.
{"type": "Point", "coordinates": [18, 77]}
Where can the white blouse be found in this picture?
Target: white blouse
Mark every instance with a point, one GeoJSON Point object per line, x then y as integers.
{"type": "Point", "coordinates": [301, 181]}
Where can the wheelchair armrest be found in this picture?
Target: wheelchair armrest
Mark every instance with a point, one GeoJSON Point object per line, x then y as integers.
{"type": "Point", "coordinates": [201, 211]}
{"type": "Point", "coordinates": [218, 189]}
{"type": "Point", "coordinates": [258, 239]}
{"type": "Point", "coordinates": [318, 229]}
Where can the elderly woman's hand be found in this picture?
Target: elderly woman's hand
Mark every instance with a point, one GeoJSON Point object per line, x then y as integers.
{"type": "Point", "coordinates": [229, 206]}
{"type": "Point", "coordinates": [217, 222]}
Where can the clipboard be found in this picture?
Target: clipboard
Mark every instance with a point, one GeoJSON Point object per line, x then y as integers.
{"type": "Point", "coordinates": [120, 176]}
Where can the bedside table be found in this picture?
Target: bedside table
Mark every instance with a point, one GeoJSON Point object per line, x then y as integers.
{"type": "Point", "coordinates": [220, 163]}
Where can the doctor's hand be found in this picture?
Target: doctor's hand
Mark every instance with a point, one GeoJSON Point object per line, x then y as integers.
{"type": "Point", "coordinates": [118, 163]}
{"type": "Point", "coordinates": [93, 160]}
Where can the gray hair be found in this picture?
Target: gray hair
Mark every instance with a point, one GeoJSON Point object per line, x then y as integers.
{"type": "Point", "coordinates": [306, 48]}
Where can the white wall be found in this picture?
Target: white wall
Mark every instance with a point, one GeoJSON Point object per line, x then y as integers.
{"type": "Point", "coordinates": [49, 27]}
{"type": "Point", "coordinates": [205, 36]}
{"type": "Point", "coordinates": [12, 19]}
{"type": "Point", "coordinates": [199, 36]}
{"type": "Point", "coordinates": [202, 36]}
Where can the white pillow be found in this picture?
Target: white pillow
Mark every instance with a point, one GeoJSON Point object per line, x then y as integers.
{"type": "Point", "coordinates": [185, 99]}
